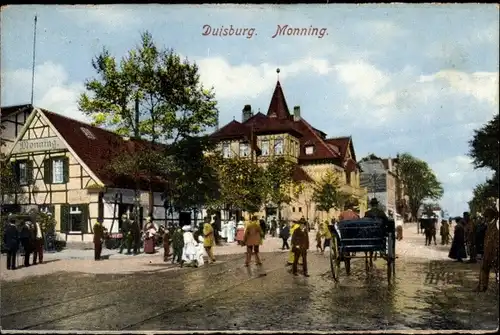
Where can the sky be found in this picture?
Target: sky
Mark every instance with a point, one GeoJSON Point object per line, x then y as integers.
{"type": "Point", "coordinates": [415, 78]}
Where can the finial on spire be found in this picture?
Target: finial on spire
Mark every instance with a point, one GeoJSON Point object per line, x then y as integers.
{"type": "Point", "coordinates": [278, 72]}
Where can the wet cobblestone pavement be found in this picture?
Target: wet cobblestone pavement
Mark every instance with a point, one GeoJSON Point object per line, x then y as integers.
{"type": "Point", "coordinates": [427, 294]}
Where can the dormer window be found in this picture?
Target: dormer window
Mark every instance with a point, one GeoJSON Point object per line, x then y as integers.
{"type": "Point", "coordinates": [309, 149]}
{"type": "Point", "coordinates": [278, 146]}
{"type": "Point", "coordinates": [244, 150]}
{"type": "Point", "coordinates": [87, 133]}
{"type": "Point", "coordinates": [226, 150]}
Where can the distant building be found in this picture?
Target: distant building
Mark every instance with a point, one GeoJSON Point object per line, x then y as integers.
{"type": "Point", "coordinates": [280, 133]}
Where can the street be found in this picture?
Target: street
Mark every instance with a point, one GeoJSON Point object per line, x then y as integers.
{"type": "Point", "coordinates": [144, 293]}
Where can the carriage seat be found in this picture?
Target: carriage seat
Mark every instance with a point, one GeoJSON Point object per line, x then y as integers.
{"type": "Point", "coordinates": [362, 235]}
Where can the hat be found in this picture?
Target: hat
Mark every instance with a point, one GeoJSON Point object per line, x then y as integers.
{"type": "Point", "coordinates": [186, 228]}
{"type": "Point", "coordinates": [374, 202]}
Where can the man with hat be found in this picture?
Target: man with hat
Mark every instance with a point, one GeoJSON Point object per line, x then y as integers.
{"type": "Point", "coordinates": [375, 212]}
{"type": "Point", "coordinates": [300, 244]}
{"type": "Point", "coordinates": [490, 258]}
{"type": "Point", "coordinates": [126, 234]}
{"type": "Point", "coordinates": [98, 238]}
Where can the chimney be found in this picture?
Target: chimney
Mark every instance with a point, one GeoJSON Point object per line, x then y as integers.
{"type": "Point", "coordinates": [296, 113]}
{"type": "Point", "coordinates": [389, 164]}
{"type": "Point", "coordinates": [247, 113]}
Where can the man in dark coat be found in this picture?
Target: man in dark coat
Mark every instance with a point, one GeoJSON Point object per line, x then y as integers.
{"type": "Point", "coordinates": [375, 212]}
{"type": "Point", "coordinates": [274, 226]}
{"type": "Point", "coordinates": [470, 236]}
{"type": "Point", "coordinates": [263, 227]}
{"type": "Point", "coordinates": [177, 245]}
{"type": "Point", "coordinates": [490, 257]}
{"type": "Point", "coordinates": [11, 243]}
{"type": "Point", "coordinates": [98, 239]}
{"type": "Point", "coordinates": [136, 232]}
{"type": "Point", "coordinates": [457, 250]}
{"type": "Point", "coordinates": [26, 237]}
{"type": "Point", "coordinates": [285, 235]}
{"type": "Point", "coordinates": [300, 245]}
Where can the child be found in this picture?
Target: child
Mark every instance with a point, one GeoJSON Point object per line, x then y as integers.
{"type": "Point", "coordinates": [318, 241]}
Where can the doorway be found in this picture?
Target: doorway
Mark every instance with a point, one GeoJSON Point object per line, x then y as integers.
{"type": "Point", "coordinates": [184, 219]}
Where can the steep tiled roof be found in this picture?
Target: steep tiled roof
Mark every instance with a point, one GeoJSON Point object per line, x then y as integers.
{"type": "Point", "coordinates": [9, 110]}
{"type": "Point", "coordinates": [342, 143]}
{"type": "Point", "coordinates": [321, 149]}
{"type": "Point", "coordinates": [278, 107]}
{"type": "Point", "coordinates": [233, 129]}
{"type": "Point", "coordinates": [99, 151]}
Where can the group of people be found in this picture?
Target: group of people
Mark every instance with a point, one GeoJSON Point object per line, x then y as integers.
{"type": "Point", "coordinates": [477, 236]}
{"type": "Point", "coordinates": [29, 236]}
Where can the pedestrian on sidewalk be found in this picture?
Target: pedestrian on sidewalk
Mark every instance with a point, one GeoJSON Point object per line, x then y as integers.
{"type": "Point", "coordinates": [291, 255]}
{"type": "Point", "coordinates": [240, 232]}
{"type": "Point", "coordinates": [38, 243]}
{"type": "Point", "coordinates": [470, 239]}
{"type": "Point", "coordinates": [285, 235]}
{"type": "Point", "coordinates": [177, 245]}
{"type": "Point", "coordinates": [327, 235]}
{"type": "Point", "coordinates": [231, 230]}
{"type": "Point", "coordinates": [274, 227]}
{"type": "Point", "coordinates": [209, 241]}
{"type": "Point", "coordinates": [26, 241]}
{"type": "Point", "coordinates": [445, 232]}
{"type": "Point", "coordinates": [11, 243]}
{"type": "Point", "coordinates": [166, 243]}
{"type": "Point", "coordinates": [300, 245]}
{"type": "Point", "coordinates": [253, 239]}
{"type": "Point", "coordinates": [263, 227]}
{"type": "Point", "coordinates": [457, 250]}
{"type": "Point", "coordinates": [318, 241]}
{"type": "Point", "coordinates": [98, 238]}
{"type": "Point", "coordinates": [136, 234]}
{"type": "Point", "coordinates": [189, 251]}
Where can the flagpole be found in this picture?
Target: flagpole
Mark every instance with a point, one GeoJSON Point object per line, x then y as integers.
{"type": "Point", "coordinates": [33, 65]}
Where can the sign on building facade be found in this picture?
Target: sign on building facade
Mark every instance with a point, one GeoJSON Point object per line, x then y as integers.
{"type": "Point", "coordinates": [38, 144]}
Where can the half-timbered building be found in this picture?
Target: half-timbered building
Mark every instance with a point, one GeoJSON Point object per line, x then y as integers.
{"type": "Point", "coordinates": [280, 133]}
{"type": "Point", "coordinates": [62, 166]}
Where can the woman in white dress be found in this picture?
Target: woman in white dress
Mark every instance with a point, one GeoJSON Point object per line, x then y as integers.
{"type": "Point", "coordinates": [223, 232]}
{"type": "Point", "coordinates": [189, 251]}
{"type": "Point", "coordinates": [200, 251]}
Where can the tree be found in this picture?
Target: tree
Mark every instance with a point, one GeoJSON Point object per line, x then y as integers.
{"type": "Point", "coordinates": [306, 191]}
{"type": "Point", "coordinates": [242, 184]}
{"type": "Point", "coordinates": [327, 194]}
{"type": "Point", "coordinates": [484, 146]}
{"type": "Point", "coordinates": [482, 198]}
{"type": "Point", "coordinates": [151, 95]}
{"type": "Point", "coordinates": [420, 182]}
{"type": "Point", "coordinates": [279, 181]}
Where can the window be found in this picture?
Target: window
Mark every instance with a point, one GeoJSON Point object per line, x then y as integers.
{"type": "Point", "coordinates": [57, 171]}
{"type": "Point", "coordinates": [293, 209]}
{"type": "Point", "coordinates": [348, 177]}
{"type": "Point", "coordinates": [309, 150]}
{"type": "Point", "coordinates": [75, 219]}
{"type": "Point", "coordinates": [265, 148]}
{"type": "Point", "coordinates": [300, 209]}
{"type": "Point", "coordinates": [87, 133]}
{"type": "Point", "coordinates": [244, 150]}
{"type": "Point", "coordinates": [226, 150]}
{"type": "Point", "coordinates": [23, 173]}
{"type": "Point", "coordinates": [278, 146]}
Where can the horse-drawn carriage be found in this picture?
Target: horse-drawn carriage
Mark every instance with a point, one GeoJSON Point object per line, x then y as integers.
{"type": "Point", "coordinates": [365, 235]}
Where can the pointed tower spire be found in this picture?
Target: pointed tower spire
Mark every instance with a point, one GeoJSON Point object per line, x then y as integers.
{"type": "Point", "coordinates": [278, 107]}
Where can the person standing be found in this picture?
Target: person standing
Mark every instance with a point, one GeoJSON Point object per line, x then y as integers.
{"type": "Point", "coordinates": [177, 245]}
{"type": "Point", "coordinates": [189, 251]}
{"type": "Point", "coordinates": [491, 241]}
{"type": "Point", "coordinates": [38, 243]}
{"type": "Point", "coordinates": [291, 255]}
{"type": "Point", "coordinates": [469, 235]}
{"type": "Point", "coordinates": [318, 242]}
{"type": "Point", "coordinates": [457, 250]}
{"type": "Point", "coordinates": [126, 236]}
{"type": "Point", "coordinates": [231, 230]}
{"type": "Point", "coordinates": [327, 235]}
{"type": "Point", "coordinates": [26, 241]}
{"type": "Point", "coordinates": [285, 235]}
{"type": "Point", "coordinates": [274, 226]}
{"type": "Point", "coordinates": [209, 241]}
{"type": "Point", "coordinates": [262, 223]}
{"type": "Point", "coordinates": [136, 235]}
{"type": "Point", "coordinates": [253, 239]}
{"type": "Point", "coordinates": [300, 245]}
{"type": "Point", "coordinates": [11, 242]}
{"type": "Point", "coordinates": [444, 231]}
{"type": "Point", "coordinates": [98, 239]}
{"type": "Point", "coordinates": [166, 244]}
{"type": "Point", "coordinates": [348, 214]}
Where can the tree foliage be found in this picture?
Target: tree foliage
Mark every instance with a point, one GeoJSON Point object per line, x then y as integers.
{"type": "Point", "coordinates": [482, 198]}
{"type": "Point", "coordinates": [8, 180]}
{"type": "Point", "coordinates": [327, 193]}
{"type": "Point", "coordinates": [419, 182]}
{"type": "Point", "coordinates": [150, 94]}
{"type": "Point", "coordinates": [279, 181]}
{"type": "Point", "coordinates": [242, 184]}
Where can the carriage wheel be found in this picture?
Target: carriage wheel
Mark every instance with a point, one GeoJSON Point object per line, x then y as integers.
{"type": "Point", "coordinates": [335, 259]}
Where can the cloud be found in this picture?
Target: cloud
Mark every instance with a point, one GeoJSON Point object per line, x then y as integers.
{"type": "Point", "coordinates": [247, 81]}
{"type": "Point", "coordinates": [111, 17]}
{"type": "Point", "coordinates": [481, 85]}
{"type": "Point", "coordinates": [53, 90]}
